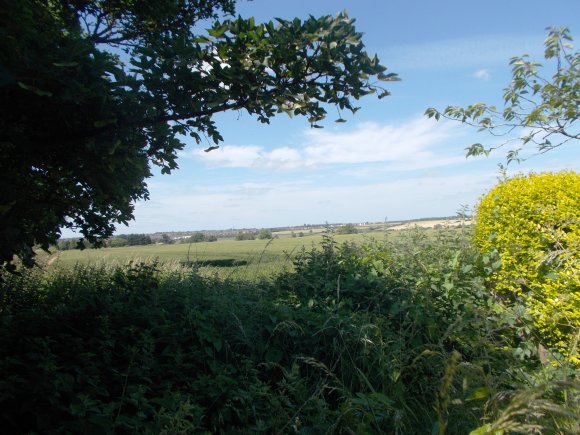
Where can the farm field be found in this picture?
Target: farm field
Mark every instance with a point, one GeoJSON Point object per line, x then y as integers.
{"type": "Point", "coordinates": [227, 258]}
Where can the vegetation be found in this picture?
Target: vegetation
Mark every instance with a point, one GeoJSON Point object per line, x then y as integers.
{"type": "Point", "coordinates": [166, 239]}
{"type": "Point", "coordinates": [95, 92]}
{"type": "Point", "coordinates": [135, 239]}
{"type": "Point", "coordinates": [424, 332]}
{"type": "Point", "coordinates": [533, 223]}
{"type": "Point", "coordinates": [200, 237]}
{"type": "Point", "coordinates": [245, 235]}
{"type": "Point", "coordinates": [545, 109]}
{"type": "Point", "coordinates": [400, 336]}
{"type": "Point", "coordinates": [347, 229]}
{"type": "Point", "coordinates": [265, 234]}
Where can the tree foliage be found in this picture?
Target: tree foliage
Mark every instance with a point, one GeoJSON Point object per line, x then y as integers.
{"type": "Point", "coordinates": [539, 110]}
{"type": "Point", "coordinates": [347, 229]}
{"type": "Point", "coordinates": [264, 234]}
{"type": "Point", "coordinates": [245, 236]}
{"type": "Point", "coordinates": [93, 93]}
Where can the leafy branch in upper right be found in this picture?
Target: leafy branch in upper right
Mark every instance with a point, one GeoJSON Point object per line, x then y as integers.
{"type": "Point", "coordinates": [538, 110]}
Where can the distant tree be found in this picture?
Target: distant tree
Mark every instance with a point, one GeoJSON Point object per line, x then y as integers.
{"type": "Point", "coordinates": [117, 242]}
{"type": "Point", "coordinates": [264, 234]}
{"type": "Point", "coordinates": [542, 111]}
{"type": "Point", "coordinates": [67, 244]}
{"type": "Point", "coordinates": [245, 236]}
{"type": "Point", "coordinates": [166, 239]}
{"type": "Point", "coordinates": [347, 229]}
{"type": "Point", "coordinates": [211, 238]}
{"type": "Point", "coordinates": [95, 92]}
{"type": "Point", "coordinates": [301, 234]}
{"type": "Point", "coordinates": [136, 239]}
{"type": "Point", "coordinates": [196, 238]}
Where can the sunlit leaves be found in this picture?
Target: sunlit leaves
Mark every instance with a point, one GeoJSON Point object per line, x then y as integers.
{"type": "Point", "coordinates": [545, 108]}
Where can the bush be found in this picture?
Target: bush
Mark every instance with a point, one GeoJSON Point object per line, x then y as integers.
{"type": "Point", "coordinates": [347, 229]}
{"type": "Point", "coordinates": [196, 238]}
{"type": "Point", "coordinates": [533, 222]}
{"type": "Point", "coordinates": [245, 236]}
{"type": "Point", "coordinates": [264, 234]}
{"type": "Point", "coordinates": [396, 336]}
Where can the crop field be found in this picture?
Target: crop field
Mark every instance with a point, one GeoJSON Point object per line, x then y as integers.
{"type": "Point", "coordinates": [227, 258]}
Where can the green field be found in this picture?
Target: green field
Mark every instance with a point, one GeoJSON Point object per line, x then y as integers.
{"type": "Point", "coordinates": [248, 259]}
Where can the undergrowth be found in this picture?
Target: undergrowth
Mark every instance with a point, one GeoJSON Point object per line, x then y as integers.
{"type": "Point", "coordinates": [396, 336]}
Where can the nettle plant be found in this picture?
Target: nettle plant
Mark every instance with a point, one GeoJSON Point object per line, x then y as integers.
{"type": "Point", "coordinates": [533, 222]}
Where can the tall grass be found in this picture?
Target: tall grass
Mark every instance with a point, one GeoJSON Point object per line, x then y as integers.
{"type": "Point", "coordinates": [401, 335]}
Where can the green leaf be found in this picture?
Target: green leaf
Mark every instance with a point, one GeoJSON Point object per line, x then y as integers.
{"type": "Point", "coordinates": [391, 77]}
{"type": "Point", "coordinates": [486, 430]}
{"type": "Point", "coordinates": [35, 90]}
{"type": "Point", "coordinates": [480, 393]}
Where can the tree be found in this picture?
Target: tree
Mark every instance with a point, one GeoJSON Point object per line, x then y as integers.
{"type": "Point", "coordinates": [347, 229]}
{"type": "Point", "coordinates": [541, 111]}
{"type": "Point", "coordinates": [264, 234]}
{"type": "Point", "coordinates": [95, 92]}
{"type": "Point", "coordinates": [245, 236]}
{"type": "Point", "coordinates": [136, 239]}
{"type": "Point", "coordinates": [196, 238]}
{"type": "Point", "coordinates": [166, 239]}
{"type": "Point", "coordinates": [117, 242]}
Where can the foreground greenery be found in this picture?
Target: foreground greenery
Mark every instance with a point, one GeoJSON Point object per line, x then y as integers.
{"type": "Point", "coordinates": [399, 336]}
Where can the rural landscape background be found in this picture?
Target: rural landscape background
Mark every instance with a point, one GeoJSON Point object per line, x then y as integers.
{"type": "Point", "coordinates": [233, 217]}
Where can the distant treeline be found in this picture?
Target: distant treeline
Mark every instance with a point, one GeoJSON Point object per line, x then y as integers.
{"type": "Point", "coordinates": [121, 240]}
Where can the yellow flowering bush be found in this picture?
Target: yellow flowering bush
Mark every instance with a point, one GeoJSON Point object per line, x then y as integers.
{"type": "Point", "coordinates": [533, 222]}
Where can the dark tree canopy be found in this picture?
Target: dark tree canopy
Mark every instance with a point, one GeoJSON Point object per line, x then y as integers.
{"type": "Point", "coordinates": [94, 92]}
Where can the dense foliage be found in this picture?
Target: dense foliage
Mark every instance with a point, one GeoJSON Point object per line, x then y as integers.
{"type": "Point", "coordinates": [533, 223]}
{"type": "Point", "coordinates": [545, 109]}
{"type": "Point", "coordinates": [245, 235]}
{"type": "Point", "coordinates": [93, 92]}
{"type": "Point", "coordinates": [347, 229]}
{"type": "Point", "coordinates": [200, 237]}
{"type": "Point", "coordinates": [402, 336]}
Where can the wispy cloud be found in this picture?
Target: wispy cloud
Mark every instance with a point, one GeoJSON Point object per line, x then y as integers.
{"type": "Point", "coordinates": [411, 144]}
{"type": "Point", "coordinates": [482, 74]}
{"type": "Point", "coordinates": [464, 52]}
{"type": "Point", "coordinates": [291, 203]}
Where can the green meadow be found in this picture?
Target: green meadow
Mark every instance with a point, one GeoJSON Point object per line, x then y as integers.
{"type": "Point", "coordinates": [226, 258]}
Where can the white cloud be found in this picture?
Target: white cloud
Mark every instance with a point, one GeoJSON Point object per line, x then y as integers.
{"type": "Point", "coordinates": [407, 145]}
{"type": "Point", "coordinates": [292, 203]}
{"type": "Point", "coordinates": [482, 74]}
{"type": "Point", "coordinates": [231, 156]}
{"type": "Point", "coordinates": [372, 142]}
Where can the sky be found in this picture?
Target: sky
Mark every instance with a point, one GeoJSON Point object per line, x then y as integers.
{"type": "Point", "coordinates": [389, 161]}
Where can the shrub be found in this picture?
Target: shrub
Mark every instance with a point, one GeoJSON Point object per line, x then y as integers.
{"type": "Point", "coordinates": [533, 222]}
{"type": "Point", "coordinates": [347, 229]}
{"type": "Point", "coordinates": [245, 236]}
{"type": "Point", "coordinates": [264, 234]}
{"type": "Point", "coordinates": [196, 238]}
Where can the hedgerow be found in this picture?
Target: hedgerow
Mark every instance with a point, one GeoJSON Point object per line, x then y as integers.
{"type": "Point", "coordinates": [533, 223]}
{"type": "Point", "coordinates": [398, 336]}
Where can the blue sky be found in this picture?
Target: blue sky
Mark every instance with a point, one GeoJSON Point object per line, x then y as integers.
{"type": "Point", "coordinates": [388, 160]}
